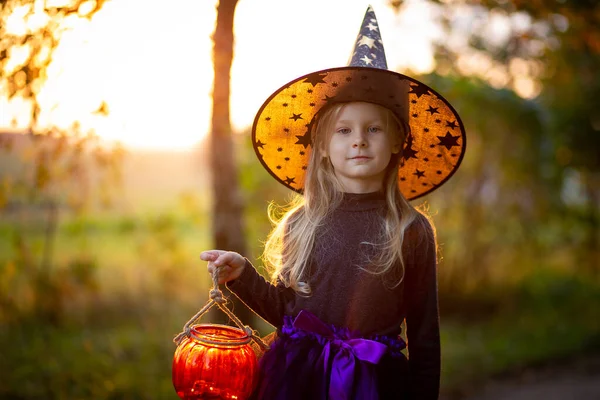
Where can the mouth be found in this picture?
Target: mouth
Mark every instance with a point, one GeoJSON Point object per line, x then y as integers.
{"type": "Point", "coordinates": [360, 158]}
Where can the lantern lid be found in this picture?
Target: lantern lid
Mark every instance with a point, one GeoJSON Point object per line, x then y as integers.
{"type": "Point", "coordinates": [219, 335]}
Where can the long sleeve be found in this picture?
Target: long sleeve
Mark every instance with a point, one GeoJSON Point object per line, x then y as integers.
{"type": "Point", "coordinates": [267, 300]}
{"type": "Point", "coordinates": [422, 319]}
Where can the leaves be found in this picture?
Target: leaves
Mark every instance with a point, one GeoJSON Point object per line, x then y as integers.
{"type": "Point", "coordinates": [34, 32]}
{"type": "Point", "coordinates": [524, 155]}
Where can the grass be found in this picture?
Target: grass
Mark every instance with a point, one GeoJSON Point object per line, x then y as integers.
{"type": "Point", "coordinates": [113, 339]}
{"type": "Point", "coordinates": [553, 316]}
{"type": "Point", "coordinates": [124, 361]}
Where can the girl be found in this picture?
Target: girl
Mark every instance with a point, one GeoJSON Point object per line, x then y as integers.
{"type": "Point", "coordinates": [351, 259]}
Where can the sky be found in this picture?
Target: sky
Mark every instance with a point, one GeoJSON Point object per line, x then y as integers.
{"type": "Point", "coordinates": [152, 65]}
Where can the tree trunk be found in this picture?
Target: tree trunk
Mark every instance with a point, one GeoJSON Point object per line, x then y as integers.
{"type": "Point", "coordinates": [227, 209]}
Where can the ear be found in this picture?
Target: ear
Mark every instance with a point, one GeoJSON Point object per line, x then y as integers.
{"type": "Point", "coordinates": [396, 148]}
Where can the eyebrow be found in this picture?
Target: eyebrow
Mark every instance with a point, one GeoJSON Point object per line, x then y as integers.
{"type": "Point", "coordinates": [344, 121]}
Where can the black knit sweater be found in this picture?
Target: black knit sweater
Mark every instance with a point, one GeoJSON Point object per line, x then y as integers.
{"type": "Point", "coordinates": [346, 296]}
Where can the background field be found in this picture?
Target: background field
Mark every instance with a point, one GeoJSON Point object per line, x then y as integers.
{"type": "Point", "coordinates": [99, 243]}
{"type": "Point", "coordinates": [125, 278]}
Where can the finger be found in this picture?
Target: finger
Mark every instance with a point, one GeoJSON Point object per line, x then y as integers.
{"type": "Point", "coordinates": [224, 259]}
{"type": "Point", "coordinates": [211, 268]}
{"type": "Point", "coordinates": [210, 255]}
{"type": "Point", "coordinates": [221, 273]}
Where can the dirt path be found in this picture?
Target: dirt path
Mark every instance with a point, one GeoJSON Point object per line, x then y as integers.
{"type": "Point", "coordinates": [569, 380]}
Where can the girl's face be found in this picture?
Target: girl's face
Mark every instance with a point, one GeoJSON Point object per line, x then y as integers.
{"type": "Point", "coordinates": [363, 138]}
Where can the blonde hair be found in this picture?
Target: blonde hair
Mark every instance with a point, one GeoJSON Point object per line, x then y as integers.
{"type": "Point", "coordinates": [290, 243]}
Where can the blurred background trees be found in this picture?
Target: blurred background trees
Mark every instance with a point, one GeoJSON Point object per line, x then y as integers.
{"type": "Point", "coordinates": [524, 76]}
{"type": "Point", "coordinates": [47, 171]}
{"type": "Point", "coordinates": [227, 207]}
{"type": "Point", "coordinates": [97, 278]}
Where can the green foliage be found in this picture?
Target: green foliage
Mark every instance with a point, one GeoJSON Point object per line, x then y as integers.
{"type": "Point", "coordinates": [23, 78]}
{"type": "Point", "coordinates": [47, 176]}
{"type": "Point", "coordinates": [260, 189]}
{"type": "Point", "coordinates": [556, 47]}
{"type": "Point", "coordinates": [87, 362]}
{"type": "Point", "coordinates": [490, 215]}
{"type": "Point", "coordinates": [69, 169]}
{"type": "Point", "coordinates": [47, 172]}
{"type": "Point", "coordinates": [116, 310]}
{"type": "Point", "coordinates": [528, 190]}
{"type": "Point", "coordinates": [548, 315]}
{"type": "Point", "coordinates": [90, 299]}
{"type": "Point", "coordinates": [115, 341]}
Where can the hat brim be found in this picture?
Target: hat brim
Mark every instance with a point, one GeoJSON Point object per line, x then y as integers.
{"type": "Point", "coordinates": [281, 133]}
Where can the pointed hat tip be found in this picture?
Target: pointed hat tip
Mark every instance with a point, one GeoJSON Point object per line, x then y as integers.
{"type": "Point", "coordinates": [368, 48]}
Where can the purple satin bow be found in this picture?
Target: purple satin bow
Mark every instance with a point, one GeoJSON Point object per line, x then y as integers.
{"type": "Point", "coordinates": [344, 351]}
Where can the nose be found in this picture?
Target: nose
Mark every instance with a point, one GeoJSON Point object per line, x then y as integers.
{"type": "Point", "coordinates": [359, 141]}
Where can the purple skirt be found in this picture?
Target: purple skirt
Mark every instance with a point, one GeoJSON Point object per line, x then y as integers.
{"type": "Point", "coordinates": [312, 360]}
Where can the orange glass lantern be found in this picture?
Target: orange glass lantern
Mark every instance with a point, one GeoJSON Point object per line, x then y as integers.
{"type": "Point", "coordinates": [215, 361]}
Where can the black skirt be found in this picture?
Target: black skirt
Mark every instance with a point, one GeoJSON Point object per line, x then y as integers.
{"type": "Point", "coordinates": [312, 360]}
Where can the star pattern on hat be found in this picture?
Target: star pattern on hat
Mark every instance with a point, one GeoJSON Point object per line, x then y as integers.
{"type": "Point", "coordinates": [448, 141]}
{"type": "Point", "coordinates": [366, 60]}
{"type": "Point", "coordinates": [369, 89]}
{"type": "Point", "coordinates": [408, 151]}
{"type": "Point", "coordinates": [422, 159]}
{"type": "Point", "coordinates": [315, 79]}
{"type": "Point", "coordinates": [304, 140]}
{"type": "Point", "coordinates": [366, 41]}
{"type": "Point", "coordinates": [419, 90]}
{"type": "Point", "coordinates": [451, 125]}
{"type": "Point", "coordinates": [431, 152]}
{"type": "Point", "coordinates": [432, 110]}
{"type": "Point", "coordinates": [368, 47]}
{"type": "Point", "coordinates": [419, 174]}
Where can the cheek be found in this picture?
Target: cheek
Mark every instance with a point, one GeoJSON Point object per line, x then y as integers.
{"type": "Point", "coordinates": [386, 150]}
{"type": "Point", "coordinates": [385, 158]}
{"type": "Point", "coordinates": [335, 148]}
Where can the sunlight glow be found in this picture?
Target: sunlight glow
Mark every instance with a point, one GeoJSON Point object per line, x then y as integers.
{"type": "Point", "coordinates": [151, 64]}
{"type": "Point", "coordinates": [14, 23]}
{"type": "Point", "coordinates": [153, 78]}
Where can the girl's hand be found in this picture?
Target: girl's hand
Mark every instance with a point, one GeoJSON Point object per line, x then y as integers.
{"type": "Point", "coordinates": [230, 264]}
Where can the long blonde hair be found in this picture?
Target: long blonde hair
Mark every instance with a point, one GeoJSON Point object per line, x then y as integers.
{"type": "Point", "coordinates": [290, 243]}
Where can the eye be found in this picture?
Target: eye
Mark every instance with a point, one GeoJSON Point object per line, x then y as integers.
{"type": "Point", "coordinates": [374, 129]}
{"type": "Point", "coordinates": [343, 131]}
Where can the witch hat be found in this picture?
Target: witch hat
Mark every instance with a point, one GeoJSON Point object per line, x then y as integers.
{"type": "Point", "coordinates": [432, 152]}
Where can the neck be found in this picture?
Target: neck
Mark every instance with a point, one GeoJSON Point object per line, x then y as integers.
{"type": "Point", "coordinates": [362, 201]}
{"type": "Point", "coordinates": [361, 186]}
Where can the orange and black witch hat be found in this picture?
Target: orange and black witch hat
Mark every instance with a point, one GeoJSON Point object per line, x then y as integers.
{"type": "Point", "coordinates": [432, 152]}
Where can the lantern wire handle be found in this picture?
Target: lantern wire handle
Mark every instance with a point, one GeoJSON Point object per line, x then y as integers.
{"type": "Point", "coordinates": [216, 298]}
